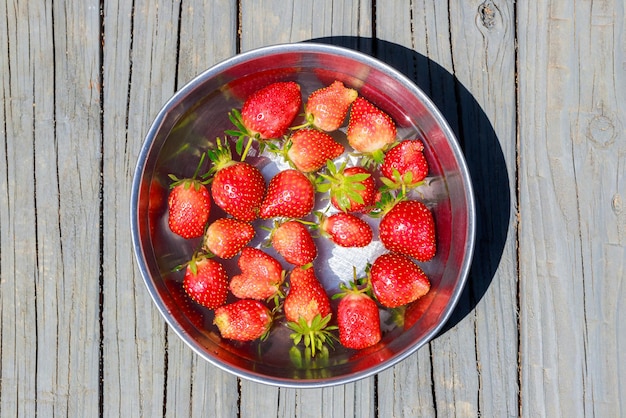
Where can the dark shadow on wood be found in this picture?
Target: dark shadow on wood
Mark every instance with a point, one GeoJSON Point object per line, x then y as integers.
{"type": "Point", "coordinates": [481, 148]}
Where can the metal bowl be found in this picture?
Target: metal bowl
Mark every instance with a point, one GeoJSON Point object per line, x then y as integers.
{"type": "Point", "coordinates": [198, 113]}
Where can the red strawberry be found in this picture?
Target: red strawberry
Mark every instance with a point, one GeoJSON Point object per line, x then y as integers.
{"type": "Point", "coordinates": [346, 230]}
{"type": "Point", "coordinates": [225, 237]}
{"type": "Point", "coordinates": [260, 278]}
{"type": "Point", "coordinates": [307, 308]}
{"type": "Point", "coordinates": [290, 194]}
{"type": "Point", "coordinates": [293, 241]}
{"type": "Point", "coordinates": [351, 189]}
{"type": "Point", "coordinates": [267, 113]}
{"type": "Point", "coordinates": [188, 309]}
{"type": "Point", "coordinates": [189, 205]}
{"type": "Point", "coordinates": [309, 149]}
{"type": "Point", "coordinates": [405, 164]}
{"type": "Point", "coordinates": [396, 280]}
{"type": "Point", "coordinates": [326, 108]}
{"type": "Point", "coordinates": [245, 84]}
{"type": "Point", "coordinates": [358, 320]}
{"type": "Point", "coordinates": [237, 187]}
{"type": "Point", "coordinates": [370, 129]}
{"type": "Point", "coordinates": [409, 228]}
{"type": "Point", "coordinates": [243, 320]}
{"type": "Point", "coordinates": [206, 282]}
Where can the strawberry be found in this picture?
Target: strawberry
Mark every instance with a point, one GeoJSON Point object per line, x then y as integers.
{"type": "Point", "coordinates": [307, 310]}
{"type": "Point", "coordinates": [409, 228]}
{"type": "Point", "coordinates": [189, 205]}
{"type": "Point", "coordinates": [396, 280]}
{"type": "Point", "coordinates": [351, 189]}
{"type": "Point", "coordinates": [293, 241]}
{"type": "Point", "coordinates": [326, 108]}
{"type": "Point", "coordinates": [237, 187]}
{"type": "Point", "coordinates": [206, 282]}
{"type": "Point", "coordinates": [309, 149]}
{"type": "Point", "coordinates": [225, 237]}
{"type": "Point", "coordinates": [267, 113]}
{"type": "Point", "coordinates": [243, 320]}
{"type": "Point", "coordinates": [404, 164]}
{"type": "Point", "coordinates": [346, 230]}
{"type": "Point", "coordinates": [290, 194]}
{"type": "Point", "coordinates": [370, 129]}
{"type": "Point", "coordinates": [188, 309]}
{"type": "Point", "coordinates": [358, 319]}
{"type": "Point", "coordinates": [260, 278]}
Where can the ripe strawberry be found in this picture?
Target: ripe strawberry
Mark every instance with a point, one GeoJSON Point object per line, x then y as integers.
{"type": "Point", "coordinates": [293, 241]}
{"type": "Point", "coordinates": [346, 230]}
{"type": "Point", "coordinates": [225, 237]}
{"type": "Point", "coordinates": [267, 113]}
{"type": "Point", "coordinates": [370, 129]}
{"type": "Point", "coordinates": [309, 149]}
{"type": "Point", "coordinates": [396, 280]}
{"type": "Point", "coordinates": [189, 205]}
{"type": "Point", "coordinates": [358, 319]}
{"type": "Point", "coordinates": [307, 308]}
{"type": "Point", "coordinates": [243, 320]}
{"type": "Point", "coordinates": [206, 282]}
{"type": "Point", "coordinates": [326, 108]}
{"type": "Point", "coordinates": [404, 164]}
{"type": "Point", "coordinates": [409, 228]}
{"type": "Point", "coordinates": [290, 194]}
{"type": "Point", "coordinates": [237, 187]}
{"type": "Point", "coordinates": [188, 309]}
{"type": "Point", "coordinates": [351, 189]}
{"type": "Point", "coordinates": [260, 278]}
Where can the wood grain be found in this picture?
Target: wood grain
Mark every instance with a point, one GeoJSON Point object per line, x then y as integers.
{"type": "Point", "coordinates": [534, 92]}
{"type": "Point", "coordinates": [571, 186]}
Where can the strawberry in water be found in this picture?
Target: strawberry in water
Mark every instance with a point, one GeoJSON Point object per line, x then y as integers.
{"type": "Point", "coordinates": [309, 149]}
{"type": "Point", "coordinates": [307, 310]}
{"type": "Point", "coordinates": [206, 281]}
{"type": "Point", "coordinates": [266, 114]}
{"type": "Point", "coordinates": [260, 278]}
{"type": "Point", "coordinates": [187, 307]}
{"type": "Point", "coordinates": [225, 237]}
{"type": "Point", "coordinates": [409, 228]}
{"type": "Point", "coordinates": [293, 241]}
{"type": "Point", "coordinates": [404, 165]}
{"type": "Point", "coordinates": [290, 194]}
{"type": "Point", "coordinates": [351, 189]}
{"type": "Point", "coordinates": [326, 108]}
{"type": "Point", "coordinates": [345, 229]}
{"type": "Point", "coordinates": [237, 187]}
{"type": "Point", "coordinates": [189, 205]}
{"type": "Point", "coordinates": [396, 280]}
{"type": "Point", "coordinates": [244, 320]}
{"type": "Point", "coordinates": [357, 318]}
{"type": "Point", "coordinates": [370, 130]}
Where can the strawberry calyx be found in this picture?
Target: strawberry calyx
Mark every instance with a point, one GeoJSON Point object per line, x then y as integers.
{"type": "Point", "coordinates": [358, 285]}
{"type": "Point", "coordinates": [221, 157]}
{"type": "Point", "coordinates": [400, 182]}
{"type": "Point", "coordinates": [191, 181]}
{"type": "Point", "coordinates": [241, 133]}
{"type": "Point", "coordinates": [342, 188]}
{"type": "Point", "coordinates": [387, 201]}
{"type": "Point", "coordinates": [193, 262]}
{"type": "Point", "coordinates": [315, 335]}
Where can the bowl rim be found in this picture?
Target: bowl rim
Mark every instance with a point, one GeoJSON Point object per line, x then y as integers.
{"type": "Point", "coordinates": [304, 47]}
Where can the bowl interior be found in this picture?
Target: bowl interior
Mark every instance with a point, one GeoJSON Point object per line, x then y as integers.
{"type": "Point", "coordinates": [198, 114]}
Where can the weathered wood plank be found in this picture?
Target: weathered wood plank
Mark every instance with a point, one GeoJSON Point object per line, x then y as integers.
{"type": "Point", "coordinates": [50, 334]}
{"type": "Point", "coordinates": [465, 61]}
{"type": "Point", "coordinates": [139, 76]}
{"type": "Point", "coordinates": [573, 245]}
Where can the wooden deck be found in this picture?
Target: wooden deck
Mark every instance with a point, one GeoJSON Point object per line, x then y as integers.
{"type": "Point", "coordinates": [535, 90]}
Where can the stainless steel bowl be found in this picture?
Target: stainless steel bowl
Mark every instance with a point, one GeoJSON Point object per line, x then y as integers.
{"type": "Point", "coordinates": [198, 113]}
